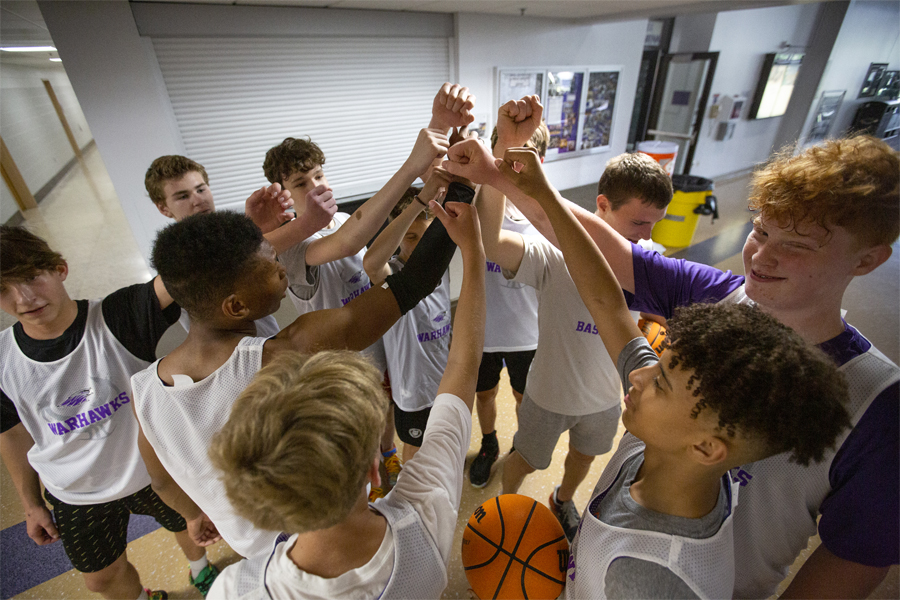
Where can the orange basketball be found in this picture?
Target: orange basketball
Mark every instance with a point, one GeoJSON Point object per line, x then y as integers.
{"type": "Point", "coordinates": [513, 547]}
{"type": "Point", "coordinates": [655, 334]}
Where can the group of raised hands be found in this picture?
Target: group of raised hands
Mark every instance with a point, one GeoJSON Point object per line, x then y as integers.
{"type": "Point", "coordinates": [443, 152]}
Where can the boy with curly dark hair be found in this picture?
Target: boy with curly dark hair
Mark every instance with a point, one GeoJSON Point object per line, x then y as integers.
{"type": "Point", "coordinates": [824, 216]}
{"type": "Point", "coordinates": [733, 387]}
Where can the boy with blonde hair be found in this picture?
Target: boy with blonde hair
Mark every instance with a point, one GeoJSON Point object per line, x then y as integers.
{"type": "Point", "coordinates": [332, 406]}
{"type": "Point", "coordinates": [825, 216]}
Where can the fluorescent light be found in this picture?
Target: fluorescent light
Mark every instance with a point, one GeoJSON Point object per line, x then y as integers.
{"type": "Point", "coordinates": [55, 60]}
{"type": "Point", "coordinates": [29, 49]}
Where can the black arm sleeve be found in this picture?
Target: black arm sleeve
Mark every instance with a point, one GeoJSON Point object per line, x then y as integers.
{"type": "Point", "coordinates": [426, 265]}
{"type": "Point", "coordinates": [134, 316]}
{"type": "Point", "coordinates": [9, 416]}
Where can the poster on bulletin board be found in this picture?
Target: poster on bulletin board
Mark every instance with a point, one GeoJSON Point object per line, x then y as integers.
{"type": "Point", "coordinates": [579, 104]}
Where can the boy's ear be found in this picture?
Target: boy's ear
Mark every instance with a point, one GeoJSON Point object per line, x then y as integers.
{"type": "Point", "coordinates": [710, 450]}
{"type": "Point", "coordinates": [603, 205]}
{"type": "Point", "coordinates": [872, 258]}
{"type": "Point", "coordinates": [63, 270]}
{"type": "Point", "coordinates": [164, 210]}
{"type": "Point", "coordinates": [375, 472]}
{"type": "Point", "coordinates": [234, 308]}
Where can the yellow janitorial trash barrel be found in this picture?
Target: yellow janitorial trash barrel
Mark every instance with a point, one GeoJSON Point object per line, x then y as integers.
{"type": "Point", "coordinates": [693, 197]}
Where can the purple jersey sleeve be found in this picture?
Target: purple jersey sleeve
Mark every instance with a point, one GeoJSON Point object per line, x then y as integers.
{"type": "Point", "coordinates": [861, 516]}
{"type": "Point", "coordinates": [661, 284]}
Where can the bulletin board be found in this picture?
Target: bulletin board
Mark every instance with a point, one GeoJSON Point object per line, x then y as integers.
{"type": "Point", "coordinates": [579, 104]}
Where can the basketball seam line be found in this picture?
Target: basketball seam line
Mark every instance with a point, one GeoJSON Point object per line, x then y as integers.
{"type": "Point", "coordinates": [516, 547]}
{"type": "Point", "coordinates": [500, 550]}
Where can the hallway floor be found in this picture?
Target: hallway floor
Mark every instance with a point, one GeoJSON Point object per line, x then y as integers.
{"type": "Point", "coordinates": [82, 219]}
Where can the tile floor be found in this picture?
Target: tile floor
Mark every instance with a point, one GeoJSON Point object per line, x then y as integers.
{"type": "Point", "coordinates": [82, 218]}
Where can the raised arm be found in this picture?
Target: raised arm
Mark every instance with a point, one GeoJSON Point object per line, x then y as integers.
{"type": "Point", "coordinates": [595, 280]}
{"type": "Point", "coordinates": [202, 531]}
{"type": "Point", "coordinates": [363, 320]}
{"type": "Point", "coordinates": [460, 375]}
{"type": "Point", "coordinates": [381, 250]}
{"type": "Point", "coordinates": [368, 218]}
{"type": "Point", "coordinates": [14, 446]}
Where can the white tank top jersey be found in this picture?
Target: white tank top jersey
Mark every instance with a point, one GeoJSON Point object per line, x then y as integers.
{"type": "Point", "coordinates": [705, 565]}
{"type": "Point", "coordinates": [511, 323]}
{"type": "Point", "coordinates": [265, 327]}
{"type": "Point", "coordinates": [179, 422]}
{"type": "Point", "coordinates": [418, 571]}
{"type": "Point", "coordinates": [78, 411]}
{"type": "Point", "coordinates": [417, 348]}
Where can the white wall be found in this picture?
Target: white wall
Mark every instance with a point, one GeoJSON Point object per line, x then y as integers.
{"type": "Point", "coordinates": [487, 41]}
{"type": "Point", "coordinates": [742, 38]}
{"type": "Point", "coordinates": [870, 33]}
{"type": "Point", "coordinates": [31, 129]}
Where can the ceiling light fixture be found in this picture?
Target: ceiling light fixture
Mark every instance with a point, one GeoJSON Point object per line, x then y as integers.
{"type": "Point", "coordinates": [28, 49]}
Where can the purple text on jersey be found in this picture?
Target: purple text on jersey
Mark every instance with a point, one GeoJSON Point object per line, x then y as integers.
{"type": "Point", "coordinates": [91, 416]}
{"type": "Point", "coordinates": [355, 294]}
{"type": "Point", "coordinates": [434, 335]}
{"type": "Point", "coordinates": [587, 327]}
{"type": "Point", "coordinates": [493, 267]}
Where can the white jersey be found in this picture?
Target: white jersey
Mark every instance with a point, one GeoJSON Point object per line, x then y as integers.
{"type": "Point", "coordinates": [421, 512]}
{"type": "Point", "coordinates": [78, 411]}
{"type": "Point", "coordinates": [417, 347]}
{"type": "Point", "coordinates": [571, 373]}
{"type": "Point", "coordinates": [179, 422]}
{"type": "Point", "coordinates": [705, 565]}
{"type": "Point", "coordinates": [266, 327]}
{"type": "Point", "coordinates": [331, 285]}
{"type": "Point", "coordinates": [511, 323]}
{"type": "Point", "coordinates": [770, 535]}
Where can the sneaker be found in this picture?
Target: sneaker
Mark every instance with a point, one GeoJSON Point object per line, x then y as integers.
{"type": "Point", "coordinates": [375, 494]}
{"type": "Point", "coordinates": [157, 594]}
{"type": "Point", "coordinates": [480, 471]}
{"type": "Point", "coordinates": [566, 513]}
{"type": "Point", "coordinates": [205, 579]}
{"type": "Point", "coordinates": [393, 467]}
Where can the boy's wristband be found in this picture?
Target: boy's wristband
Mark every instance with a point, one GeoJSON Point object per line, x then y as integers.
{"type": "Point", "coordinates": [420, 201]}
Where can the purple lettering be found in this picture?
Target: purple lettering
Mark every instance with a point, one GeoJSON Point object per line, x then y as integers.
{"type": "Point", "coordinates": [114, 405]}
{"type": "Point", "coordinates": [103, 411]}
{"type": "Point", "coordinates": [595, 332]}
{"type": "Point", "coordinates": [52, 427]}
{"type": "Point", "coordinates": [580, 326]}
{"type": "Point", "coordinates": [123, 397]}
{"type": "Point", "coordinates": [72, 423]}
{"type": "Point", "coordinates": [94, 417]}
{"type": "Point", "coordinates": [82, 420]}
{"type": "Point", "coordinates": [60, 429]}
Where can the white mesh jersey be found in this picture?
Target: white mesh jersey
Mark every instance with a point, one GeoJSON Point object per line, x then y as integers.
{"type": "Point", "coordinates": [77, 410]}
{"type": "Point", "coordinates": [330, 285]}
{"type": "Point", "coordinates": [571, 373]}
{"type": "Point", "coordinates": [416, 571]}
{"type": "Point", "coordinates": [705, 565]}
{"type": "Point", "coordinates": [512, 307]}
{"type": "Point", "coordinates": [265, 327]}
{"type": "Point", "coordinates": [769, 535]}
{"type": "Point", "coordinates": [179, 423]}
{"type": "Point", "coordinates": [417, 347]}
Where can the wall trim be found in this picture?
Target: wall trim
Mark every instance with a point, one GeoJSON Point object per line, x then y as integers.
{"type": "Point", "coordinates": [46, 189]}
